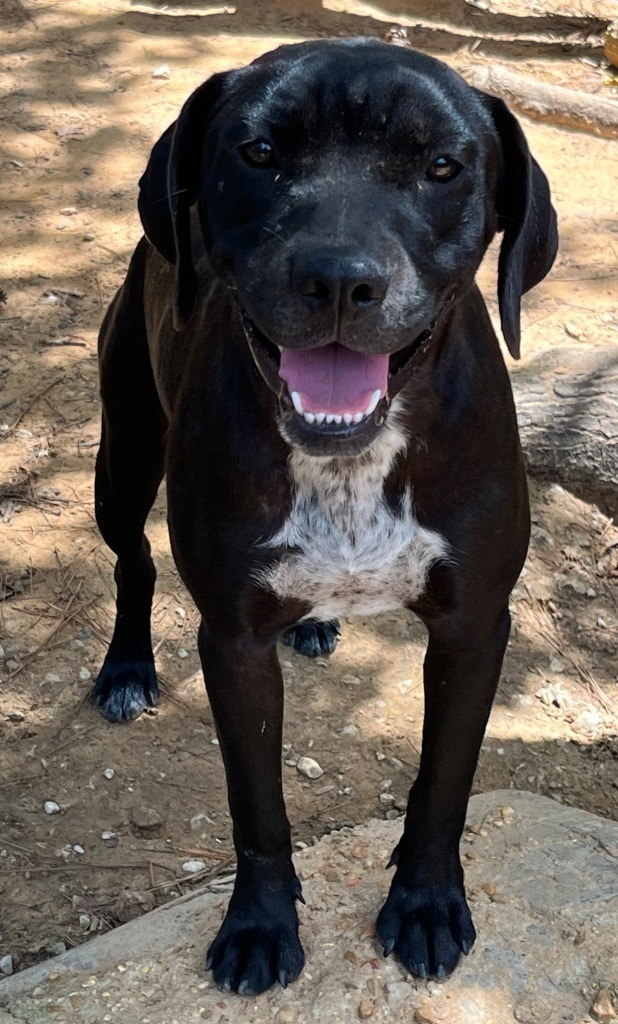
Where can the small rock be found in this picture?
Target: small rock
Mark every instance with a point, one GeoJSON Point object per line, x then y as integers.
{"type": "Point", "coordinates": [374, 987]}
{"type": "Point", "coordinates": [132, 904]}
{"type": "Point", "coordinates": [307, 766]}
{"type": "Point", "coordinates": [387, 799]}
{"type": "Point", "coordinates": [553, 695]}
{"type": "Point", "coordinates": [366, 1010]}
{"type": "Point", "coordinates": [191, 866]}
{"type": "Point", "coordinates": [16, 716]}
{"type": "Point", "coordinates": [425, 1014]}
{"type": "Point", "coordinates": [380, 756]}
{"type": "Point", "coordinates": [51, 807]}
{"type": "Point", "coordinates": [199, 820]}
{"type": "Point", "coordinates": [1, 651]}
{"type": "Point", "coordinates": [110, 837]}
{"type": "Point", "coordinates": [601, 623]}
{"type": "Point", "coordinates": [349, 730]}
{"type": "Point", "coordinates": [589, 720]}
{"type": "Point", "coordinates": [109, 773]}
{"type": "Point", "coordinates": [286, 1015]}
{"type": "Point", "coordinates": [162, 71]}
{"type": "Point", "coordinates": [351, 680]}
{"type": "Point", "coordinates": [555, 665]}
{"type": "Point", "coordinates": [84, 673]}
{"type": "Point", "coordinates": [146, 819]}
{"type": "Point", "coordinates": [182, 653]}
{"type": "Point", "coordinates": [51, 677]}
{"type": "Point", "coordinates": [78, 849]}
{"type": "Point", "coordinates": [6, 964]}
{"type": "Point", "coordinates": [88, 238]}
{"type": "Point", "coordinates": [84, 921]}
{"type": "Point", "coordinates": [397, 992]}
{"type": "Point", "coordinates": [602, 1007]}
{"type": "Point", "coordinates": [405, 686]}
{"type": "Point", "coordinates": [56, 947]}
{"type": "Point", "coordinates": [573, 330]}
{"type": "Point", "coordinates": [11, 664]}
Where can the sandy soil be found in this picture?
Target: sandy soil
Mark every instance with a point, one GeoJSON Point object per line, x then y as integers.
{"type": "Point", "coordinates": [81, 107]}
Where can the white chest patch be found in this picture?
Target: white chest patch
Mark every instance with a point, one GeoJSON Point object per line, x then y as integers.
{"type": "Point", "coordinates": [352, 555]}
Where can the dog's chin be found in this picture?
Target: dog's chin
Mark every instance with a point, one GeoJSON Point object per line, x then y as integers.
{"type": "Point", "coordinates": [332, 435]}
{"type": "Point", "coordinates": [328, 440]}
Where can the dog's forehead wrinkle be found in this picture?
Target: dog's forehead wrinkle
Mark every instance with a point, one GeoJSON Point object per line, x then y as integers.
{"type": "Point", "coordinates": [325, 101]}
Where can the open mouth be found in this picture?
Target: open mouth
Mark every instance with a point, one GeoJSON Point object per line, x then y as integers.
{"type": "Point", "coordinates": [333, 391]}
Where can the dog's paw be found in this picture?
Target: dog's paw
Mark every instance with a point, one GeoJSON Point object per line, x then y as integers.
{"type": "Point", "coordinates": [125, 687]}
{"type": "Point", "coordinates": [257, 946]}
{"type": "Point", "coordinates": [313, 638]}
{"type": "Point", "coordinates": [427, 926]}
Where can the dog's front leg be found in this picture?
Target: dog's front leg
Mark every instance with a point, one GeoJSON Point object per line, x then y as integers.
{"type": "Point", "coordinates": [426, 919]}
{"type": "Point", "coordinates": [258, 941]}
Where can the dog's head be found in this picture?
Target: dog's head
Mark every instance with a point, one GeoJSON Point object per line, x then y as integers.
{"type": "Point", "coordinates": [346, 192]}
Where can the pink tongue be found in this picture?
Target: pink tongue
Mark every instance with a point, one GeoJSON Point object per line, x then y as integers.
{"type": "Point", "coordinates": [333, 379]}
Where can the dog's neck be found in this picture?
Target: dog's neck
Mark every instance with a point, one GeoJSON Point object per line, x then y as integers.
{"type": "Point", "coordinates": [341, 479]}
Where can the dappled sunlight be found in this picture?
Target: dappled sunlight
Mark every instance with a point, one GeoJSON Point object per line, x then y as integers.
{"type": "Point", "coordinates": [82, 109]}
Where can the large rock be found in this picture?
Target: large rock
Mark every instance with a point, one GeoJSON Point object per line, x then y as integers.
{"type": "Point", "coordinates": [542, 881]}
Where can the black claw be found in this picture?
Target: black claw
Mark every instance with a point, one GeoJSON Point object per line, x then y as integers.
{"type": "Point", "coordinates": [465, 947]}
{"type": "Point", "coordinates": [389, 947]}
{"type": "Point", "coordinates": [209, 961]}
{"type": "Point", "coordinates": [226, 985]}
{"type": "Point", "coordinates": [283, 977]}
{"type": "Point", "coordinates": [441, 972]}
{"type": "Point", "coordinates": [393, 860]}
{"type": "Point", "coordinates": [242, 988]}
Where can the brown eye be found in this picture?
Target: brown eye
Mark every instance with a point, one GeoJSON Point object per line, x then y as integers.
{"type": "Point", "coordinates": [444, 168]}
{"type": "Point", "coordinates": [259, 154]}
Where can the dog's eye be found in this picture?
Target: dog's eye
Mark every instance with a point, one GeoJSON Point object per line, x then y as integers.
{"type": "Point", "coordinates": [444, 168]}
{"type": "Point", "coordinates": [259, 153]}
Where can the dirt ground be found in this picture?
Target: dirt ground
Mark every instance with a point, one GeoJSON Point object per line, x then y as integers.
{"type": "Point", "coordinates": [85, 93]}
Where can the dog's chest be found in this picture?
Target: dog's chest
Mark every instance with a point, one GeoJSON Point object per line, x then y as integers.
{"type": "Point", "coordinates": [346, 551]}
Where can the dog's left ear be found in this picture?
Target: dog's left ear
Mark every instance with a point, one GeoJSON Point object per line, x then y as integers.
{"type": "Point", "coordinates": [169, 187]}
{"type": "Point", "coordinates": [526, 216]}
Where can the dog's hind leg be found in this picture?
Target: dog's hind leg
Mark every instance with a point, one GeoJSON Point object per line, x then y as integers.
{"type": "Point", "coordinates": [129, 470]}
{"type": "Point", "coordinates": [312, 637]}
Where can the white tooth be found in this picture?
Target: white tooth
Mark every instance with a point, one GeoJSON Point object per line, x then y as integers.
{"type": "Point", "coordinates": [347, 419]}
{"type": "Point", "coordinates": [296, 401]}
{"type": "Point", "coordinates": [330, 418]}
{"type": "Point", "coordinates": [358, 417]}
{"type": "Point", "coordinates": [337, 419]}
{"type": "Point", "coordinates": [375, 398]}
{"type": "Point", "coordinates": [320, 417]}
{"type": "Point", "coordinates": [309, 417]}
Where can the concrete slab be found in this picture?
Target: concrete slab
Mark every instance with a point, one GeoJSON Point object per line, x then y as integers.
{"type": "Point", "coordinates": [543, 887]}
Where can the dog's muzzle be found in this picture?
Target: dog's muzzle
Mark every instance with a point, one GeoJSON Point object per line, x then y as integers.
{"type": "Point", "coordinates": [332, 399]}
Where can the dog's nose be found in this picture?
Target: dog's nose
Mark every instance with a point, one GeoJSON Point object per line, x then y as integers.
{"type": "Point", "coordinates": [340, 284]}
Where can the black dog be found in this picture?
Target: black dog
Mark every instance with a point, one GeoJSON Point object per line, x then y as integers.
{"type": "Point", "coordinates": [301, 348]}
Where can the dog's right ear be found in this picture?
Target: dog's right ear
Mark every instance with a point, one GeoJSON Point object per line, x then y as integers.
{"type": "Point", "coordinates": [169, 186]}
